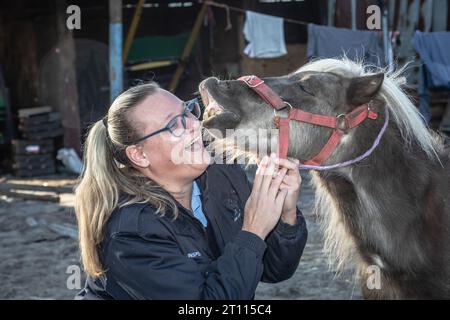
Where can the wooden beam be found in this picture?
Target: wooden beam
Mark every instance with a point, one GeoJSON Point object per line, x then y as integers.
{"type": "Point", "coordinates": [132, 32]}
{"type": "Point", "coordinates": [27, 196]}
{"type": "Point", "coordinates": [151, 65]}
{"type": "Point", "coordinates": [33, 187]}
{"type": "Point", "coordinates": [187, 49]}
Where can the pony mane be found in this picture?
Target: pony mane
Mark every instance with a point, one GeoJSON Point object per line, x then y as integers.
{"type": "Point", "coordinates": [410, 122]}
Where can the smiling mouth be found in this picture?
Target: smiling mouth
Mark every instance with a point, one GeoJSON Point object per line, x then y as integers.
{"type": "Point", "coordinates": [193, 141]}
{"type": "Point", "coordinates": [195, 144]}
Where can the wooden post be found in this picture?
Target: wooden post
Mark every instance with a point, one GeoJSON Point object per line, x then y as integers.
{"type": "Point", "coordinates": [67, 91]}
{"type": "Point", "coordinates": [386, 39]}
{"type": "Point", "coordinates": [353, 14]}
{"type": "Point", "coordinates": [132, 31]}
{"type": "Point", "coordinates": [330, 12]}
{"type": "Point", "coordinates": [115, 48]}
{"type": "Point", "coordinates": [187, 49]}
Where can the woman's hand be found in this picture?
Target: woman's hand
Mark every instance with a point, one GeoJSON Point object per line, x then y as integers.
{"type": "Point", "coordinates": [291, 182]}
{"type": "Point", "coordinates": [264, 206]}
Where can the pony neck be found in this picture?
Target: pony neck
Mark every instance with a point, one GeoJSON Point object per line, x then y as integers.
{"type": "Point", "coordinates": [381, 201]}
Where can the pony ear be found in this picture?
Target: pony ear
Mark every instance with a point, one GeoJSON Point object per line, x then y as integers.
{"type": "Point", "coordinates": [362, 89]}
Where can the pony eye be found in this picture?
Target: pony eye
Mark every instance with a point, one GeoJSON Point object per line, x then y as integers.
{"type": "Point", "coordinates": [305, 90]}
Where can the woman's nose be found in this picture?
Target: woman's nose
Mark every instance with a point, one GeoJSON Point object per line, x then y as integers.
{"type": "Point", "coordinates": [192, 124]}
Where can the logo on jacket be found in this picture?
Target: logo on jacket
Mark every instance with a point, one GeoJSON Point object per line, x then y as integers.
{"type": "Point", "coordinates": [194, 254]}
{"type": "Point", "coordinates": [237, 214]}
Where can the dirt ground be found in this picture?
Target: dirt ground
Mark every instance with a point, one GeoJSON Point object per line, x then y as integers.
{"type": "Point", "coordinates": [39, 254]}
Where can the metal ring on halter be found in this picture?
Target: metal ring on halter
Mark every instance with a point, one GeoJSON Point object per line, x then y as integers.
{"type": "Point", "coordinates": [285, 102]}
{"type": "Point", "coordinates": [338, 117]}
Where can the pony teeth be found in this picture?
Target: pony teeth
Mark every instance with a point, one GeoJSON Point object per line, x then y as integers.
{"type": "Point", "coordinates": [201, 103]}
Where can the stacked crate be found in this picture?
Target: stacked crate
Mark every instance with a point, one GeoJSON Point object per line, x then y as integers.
{"type": "Point", "coordinates": [34, 155]}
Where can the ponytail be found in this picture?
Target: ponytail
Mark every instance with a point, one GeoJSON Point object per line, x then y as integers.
{"type": "Point", "coordinates": [96, 196]}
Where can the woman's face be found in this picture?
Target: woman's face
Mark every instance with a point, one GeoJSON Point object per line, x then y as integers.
{"type": "Point", "coordinates": [166, 155]}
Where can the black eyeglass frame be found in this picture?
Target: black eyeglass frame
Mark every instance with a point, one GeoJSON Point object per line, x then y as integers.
{"type": "Point", "coordinates": [191, 106]}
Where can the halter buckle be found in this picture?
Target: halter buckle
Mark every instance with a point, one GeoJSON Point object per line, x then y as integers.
{"type": "Point", "coordinates": [341, 122]}
{"type": "Point", "coordinates": [248, 81]}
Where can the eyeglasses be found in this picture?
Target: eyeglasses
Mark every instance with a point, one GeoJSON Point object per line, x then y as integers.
{"type": "Point", "coordinates": [177, 125]}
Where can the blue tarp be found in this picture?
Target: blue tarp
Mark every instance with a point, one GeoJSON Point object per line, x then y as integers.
{"type": "Point", "coordinates": [331, 42]}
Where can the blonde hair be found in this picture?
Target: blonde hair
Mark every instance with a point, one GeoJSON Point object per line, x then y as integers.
{"type": "Point", "coordinates": [108, 173]}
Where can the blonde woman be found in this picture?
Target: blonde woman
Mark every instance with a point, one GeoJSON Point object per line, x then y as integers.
{"type": "Point", "coordinates": [153, 226]}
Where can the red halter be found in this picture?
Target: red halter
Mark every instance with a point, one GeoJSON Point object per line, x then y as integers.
{"type": "Point", "coordinates": [340, 123]}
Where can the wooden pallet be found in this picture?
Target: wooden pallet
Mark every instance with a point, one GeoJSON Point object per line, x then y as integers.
{"type": "Point", "coordinates": [35, 171]}
{"type": "Point", "coordinates": [40, 119]}
{"type": "Point", "coordinates": [43, 134]}
{"type": "Point", "coordinates": [34, 165]}
{"type": "Point", "coordinates": [28, 112]}
{"type": "Point", "coordinates": [42, 127]}
{"type": "Point", "coordinates": [33, 161]}
{"type": "Point", "coordinates": [29, 147]}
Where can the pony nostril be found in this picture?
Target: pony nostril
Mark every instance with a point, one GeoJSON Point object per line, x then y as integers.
{"type": "Point", "coordinates": [227, 85]}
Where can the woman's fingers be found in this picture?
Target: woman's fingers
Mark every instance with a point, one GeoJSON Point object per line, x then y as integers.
{"type": "Point", "coordinates": [292, 180]}
{"type": "Point", "coordinates": [293, 175]}
{"type": "Point", "coordinates": [267, 179]}
{"type": "Point", "coordinates": [291, 164]}
{"type": "Point", "coordinates": [281, 171]}
{"type": "Point", "coordinates": [275, 185]}
{"type": "Point", "coordinates": [260, 173]}
{"type": "Point", "coordinates": [279, 200]}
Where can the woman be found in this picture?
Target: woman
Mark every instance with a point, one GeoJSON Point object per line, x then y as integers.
{"type": "Point", "coordinates": [155, 225]}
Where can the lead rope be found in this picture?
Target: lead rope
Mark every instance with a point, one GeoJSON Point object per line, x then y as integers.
{"type": "Point", "coordinates": [357, 159]}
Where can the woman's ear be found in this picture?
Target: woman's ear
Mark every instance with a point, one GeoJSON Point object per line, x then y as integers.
{"type": "Point", "coordinates": [363, 89]}
{"type": "Point", "coordinates": [137, 156]}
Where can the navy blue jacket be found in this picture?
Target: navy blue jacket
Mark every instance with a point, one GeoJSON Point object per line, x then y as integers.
{"type": "Point", "coordinates": [148, 256]}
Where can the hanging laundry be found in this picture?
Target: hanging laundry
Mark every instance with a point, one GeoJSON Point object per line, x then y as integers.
{"type": "Point", "coordinates": [265, 35]}
{"type": "Point", "coordinates": [434, 48]}
{"type": "Point", "coordinates": [331, 42]}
